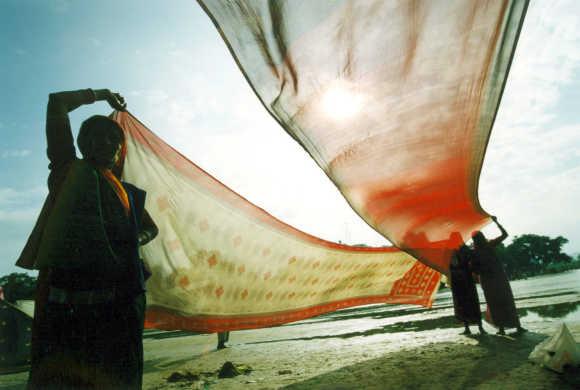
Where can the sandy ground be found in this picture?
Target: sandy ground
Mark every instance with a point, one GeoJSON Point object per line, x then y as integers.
{"type": "Point", "coordinates": [437, 360]}
{"type": "Point", "coordinates": [432, 359]}
{"type": "Point", "coordinates": [375, 347]}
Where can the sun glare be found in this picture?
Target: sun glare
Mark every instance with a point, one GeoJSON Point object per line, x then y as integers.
{"type": "Point", "coordinates": [341, 102]}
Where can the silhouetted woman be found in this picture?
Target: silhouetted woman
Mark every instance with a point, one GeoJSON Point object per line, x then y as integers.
{"type": "Point", "coordinates": [494, 282]}
{"type": "Point", "coordinates": [90, 303]}
{"type": "Point", "coordinates": [465, 299]}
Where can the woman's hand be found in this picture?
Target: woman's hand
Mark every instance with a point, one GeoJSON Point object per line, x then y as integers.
{"type": "Point", "coordinates": [115, 100]}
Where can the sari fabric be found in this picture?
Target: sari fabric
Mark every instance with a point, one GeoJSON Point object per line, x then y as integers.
{"type": "Point", "coordinates": [395, 100]}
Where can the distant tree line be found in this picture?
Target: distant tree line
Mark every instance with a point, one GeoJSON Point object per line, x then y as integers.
{"type": "Point", "coordinates": [530, 255]}
{"type": "Point", "coordinates": [18, 286]}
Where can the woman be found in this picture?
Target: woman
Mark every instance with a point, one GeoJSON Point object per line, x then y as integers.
{"type": "Point", "coordinates": [465, 299]}
{"type": "Point", "coordinates": [90, 302]}
{"type": "Point", "coordinates": [494, 282]}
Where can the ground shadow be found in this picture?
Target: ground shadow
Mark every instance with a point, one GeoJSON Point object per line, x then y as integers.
{"type": "Point", "coordinates": [496, 362]}
{"type": "Point", "coordinates": [164, 364]}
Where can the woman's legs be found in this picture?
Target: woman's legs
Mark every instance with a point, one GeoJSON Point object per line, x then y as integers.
{"type": "Point", "coordinates": [223, 337]}
{"type": "Point", "coordinates": [467, 330]}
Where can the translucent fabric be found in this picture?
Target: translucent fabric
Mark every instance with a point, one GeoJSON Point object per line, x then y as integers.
{"type": "Point", "coordinates": [395, 100]}
{"type": "Point", "coordinates": [221, 263]}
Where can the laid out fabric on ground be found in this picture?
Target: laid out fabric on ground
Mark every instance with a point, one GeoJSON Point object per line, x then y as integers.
{"type": "Point", "coordinates": [395, 100]}
{"type": "Point", "coordinates": [221, 263]}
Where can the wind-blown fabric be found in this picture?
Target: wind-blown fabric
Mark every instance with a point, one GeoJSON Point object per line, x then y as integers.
{"type": "Point", "coordinates": [394, 99]}
{"type": "Point", "coordinates": [221, 263]}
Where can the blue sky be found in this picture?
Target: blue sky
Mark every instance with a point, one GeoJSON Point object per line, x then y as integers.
{"type": "Point", "coordinates": [167, 59]}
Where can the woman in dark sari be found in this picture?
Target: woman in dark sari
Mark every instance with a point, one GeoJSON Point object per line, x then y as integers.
{"type": "Point", "coordinates": [494, 282]}
{"type": "Point", "coordinates": [465, 299]}
{"type": "Point", "coordinates": [90, 301]}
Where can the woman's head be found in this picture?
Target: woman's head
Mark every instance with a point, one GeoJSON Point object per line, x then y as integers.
{"type": "Point", "coordinates": [464, 254]}
{"type": "Point", "coordinates": [100, 139]}
{"type": "Point", "coordinates": [479, 240]}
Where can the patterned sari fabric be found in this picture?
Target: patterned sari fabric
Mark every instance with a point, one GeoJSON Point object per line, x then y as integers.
{"type": "Point", "coordinates": [221, 263]}
{"type": "Point", "coordinates": [395, 100]}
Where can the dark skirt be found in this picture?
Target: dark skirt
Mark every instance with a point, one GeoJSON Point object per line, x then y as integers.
{"type": "Point", "coordinates": [501, 307]}
{"type": "Point", "coordinates": [465, 299]}
{"type": "Point", "coordinates": [90, 346]}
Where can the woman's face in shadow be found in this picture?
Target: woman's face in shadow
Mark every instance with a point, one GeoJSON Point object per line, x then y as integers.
{"type": "Point", "coordinates": [105, 151]}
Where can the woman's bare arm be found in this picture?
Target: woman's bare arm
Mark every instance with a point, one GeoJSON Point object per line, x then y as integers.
{"type": "Point", "coordinates": [504, 234]}
{"type": "Point", "coordinates": [59, 138]}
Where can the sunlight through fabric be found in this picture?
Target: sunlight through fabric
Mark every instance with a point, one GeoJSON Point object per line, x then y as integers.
{"type": "Point", "coordinates": [221, 263]}
{"type": "Point", "coordinates": [395, 101]}
{"type": "Point", "coordinates": [340, 102]}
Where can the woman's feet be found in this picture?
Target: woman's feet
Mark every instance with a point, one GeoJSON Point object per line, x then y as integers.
{"type": "Point", "coordinates": [481, 330]}
{"type": "Point", "coordinates": [521, 330]}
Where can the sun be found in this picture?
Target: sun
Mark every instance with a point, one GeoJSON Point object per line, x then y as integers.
{"type": "Point", "coordinates": [341, 102]}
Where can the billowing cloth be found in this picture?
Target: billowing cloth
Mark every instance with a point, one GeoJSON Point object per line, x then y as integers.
{"type": "Point", "coordinates": [220, 263]}
{"type": "Point", "coordinates": [395, 100]}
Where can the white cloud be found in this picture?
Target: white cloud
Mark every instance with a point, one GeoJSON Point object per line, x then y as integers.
{"type": "Point", "coordinates": [11, 196]}
{"type": "Point", "coordinates": [18, 215]}
{"type": "Point", "coordinates": [547, 58]}
{"type": "Point", "coordinates": [20, 205]}
{"type": "Point", "coordinates": [15, 153]}
{"type": "Point", "coordinates": [531, 174]}
{"type": "Point", "coordinates": [61, 6]}
{"type": "Point", "coordinates": [96, 42]}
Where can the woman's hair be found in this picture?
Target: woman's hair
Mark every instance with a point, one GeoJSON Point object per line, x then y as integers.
{"type": "Point", "coordinates": [95, 129]}
{"type": "Point", "coordinates": [479, 240]}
